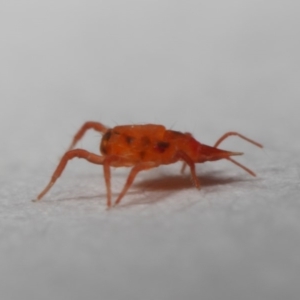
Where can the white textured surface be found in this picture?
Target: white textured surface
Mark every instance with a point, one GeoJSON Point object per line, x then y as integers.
{"type": "Point", "coordinates": [204, 67]}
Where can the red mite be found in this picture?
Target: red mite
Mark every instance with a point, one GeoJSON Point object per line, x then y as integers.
{"type": "Point", "coordinates": [144, 147]}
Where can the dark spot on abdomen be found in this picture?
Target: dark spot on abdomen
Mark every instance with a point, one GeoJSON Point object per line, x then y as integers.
{"type": "Point", "coordinates": [129, 139]}
{"type": "Point", "coordinates": [162, 146]}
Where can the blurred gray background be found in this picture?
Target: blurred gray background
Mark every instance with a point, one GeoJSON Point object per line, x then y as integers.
{"type": "Point", "coordinates": [200, 66]}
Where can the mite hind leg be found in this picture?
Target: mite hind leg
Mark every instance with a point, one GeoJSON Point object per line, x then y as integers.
{"type": "Point", "coordinates": [79, 153]}
{"type": "Point", "coordinates": [84, 128]}
{"type": "Point", "coordinates": [134, 171]}
{"type": "Point", "coordinates": [231, 133]}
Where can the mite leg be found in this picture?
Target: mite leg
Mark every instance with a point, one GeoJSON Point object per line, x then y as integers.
{"type": "Point", "coordinates": [226, 135]}
{"type": "Point", "coordinates": [79, 153]}
{"type": "Point", "coordinates": [134, 171]}
{"type": "Point", "coordinates": [183, 167]}
{"type": "Point", "coordinates": [241, 166]}
{"type": "Point", "coordinates": [86, 126]}
{"type": "Point", "coordinates": [106, 171]}
{"type": "Point", "coordinates": [108, 161]}
{"type": "Point", "coordinates": [187, 160]}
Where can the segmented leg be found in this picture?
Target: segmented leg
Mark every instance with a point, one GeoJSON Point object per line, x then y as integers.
{"type": "Point", "coordinates": [184, 164]}
{"type": "Point", "coordinates": [108, 161]}
{"type": "Point", "coordinates": [79, 153]}
{"type": "Point", "coordinates": [241, 166]}
{"type": "Point", "coordinates": [183, 167]}
{"type": "Point", "coordinates": [226, 135]}
{"type": "Point", "coordinates": [187, 160]}
{"type": "Point", "coordinates": [86, 126]}
{"type": "Point", "coordinates": [134, 171]}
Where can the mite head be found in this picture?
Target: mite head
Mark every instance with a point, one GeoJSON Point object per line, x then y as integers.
{"type": "Point", "coordinates": [201, 152]}
{"type": "Point", "coordinates": [207, 153]}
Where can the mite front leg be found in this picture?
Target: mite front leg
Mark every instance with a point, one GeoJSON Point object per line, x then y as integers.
{"type": "Point", "coordinates": [231, 133]}
{"type": "Point", "coordinates": [106, 171]}
{"type": "Point", "coordinates": [86, 126]}
{"type": "Point", "coordinates": [115, 161]}
{"type": "Point", "coordinates": [187, 160]}
{"type": "Point", "coordinates": [79, 153]}
{"type": "Point", "coordinates": [108, 161]}
{"type": "Point", "coordinates": [134, 171]}
{"type": "Point", "coordinates": [241, 166]}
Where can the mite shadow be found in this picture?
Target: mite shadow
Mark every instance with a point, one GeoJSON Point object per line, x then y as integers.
{"type": "Point", "coordinates": [165, 185]}
{"type": "Point", "coordinates": [161, 186]}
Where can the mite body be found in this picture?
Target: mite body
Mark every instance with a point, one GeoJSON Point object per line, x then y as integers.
{"type": "Point", "coordinates": [144, 147]}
